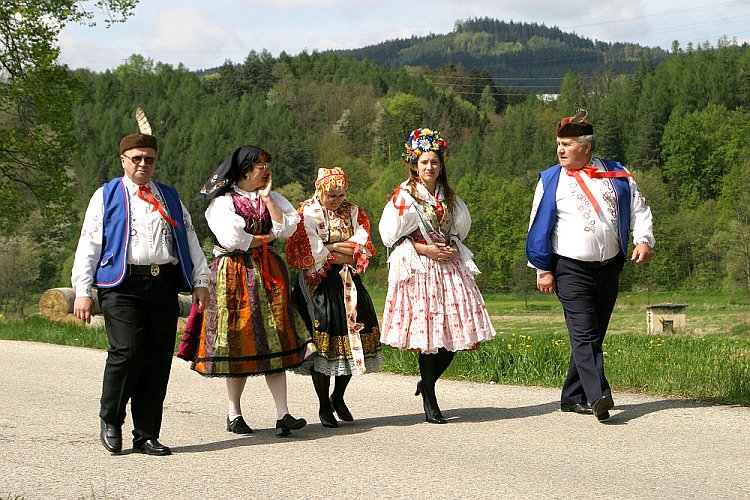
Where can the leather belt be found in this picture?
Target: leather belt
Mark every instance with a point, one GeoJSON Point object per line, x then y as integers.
{"type": "Point", "coordinates": [591, 264]}
{"type": "Point", "coordinates": [152, 270]}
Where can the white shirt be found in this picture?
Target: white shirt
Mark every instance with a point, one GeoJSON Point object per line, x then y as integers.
{"type": "Point", "coordinates": [229, 227]}
{"type": "Point", "coordinates": [583, 234]}
{"type": "Point", "coordinates": [151, 239]}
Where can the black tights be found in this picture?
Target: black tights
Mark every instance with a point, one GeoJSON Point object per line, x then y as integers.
{"type": "Point", "coordinates": [322, 383]}
{"type": "Point", "coordinates": [431, 367]}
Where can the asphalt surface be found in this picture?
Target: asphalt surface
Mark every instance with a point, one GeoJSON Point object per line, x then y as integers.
{"type": "Point", "coordinates": [500, 442]}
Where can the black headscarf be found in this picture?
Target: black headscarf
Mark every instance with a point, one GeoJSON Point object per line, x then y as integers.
{"type": "Point", "coordinates": [229, 172]}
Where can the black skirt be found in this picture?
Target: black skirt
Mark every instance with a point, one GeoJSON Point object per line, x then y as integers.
{"type": "Point", "coordinates": [324, 314]}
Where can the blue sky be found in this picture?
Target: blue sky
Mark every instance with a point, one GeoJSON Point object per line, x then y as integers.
{"type": "Point", "coordinates": [203, 34]}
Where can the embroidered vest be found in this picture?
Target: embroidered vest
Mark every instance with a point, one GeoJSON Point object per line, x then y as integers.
{"type": "Point", "coordinates": [539, 238]}
{"type": "Point", "coordinates": [112, 267]}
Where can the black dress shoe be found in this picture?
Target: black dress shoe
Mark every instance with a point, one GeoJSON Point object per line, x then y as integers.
{"type": "Point", "coordinates": [151, 447]}
{"type": "Point", "coordinates": [435, 419]}
{"type": "Point", "coordinates": [327, 418]}
{"type": "Point", "coordinates": [580, 408]}
{"type": "Point", "coordinates": [111, 437]}
{"type": "Point", "coordinates": [601, 407]}
{"type": "Point", "coordinates": [286, 425]}
{"type": "Point", "coordinates": [341, 410]}
{"type": "Point", "coordinates": [238, 426]}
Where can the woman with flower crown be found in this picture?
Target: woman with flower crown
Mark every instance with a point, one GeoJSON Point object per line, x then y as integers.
{"type": "Point", "coordinates": [332, 247]}
{"type": "Point", "coordinates": [249, 326]}
{"type": "Point", "coordinates": [433, 304]}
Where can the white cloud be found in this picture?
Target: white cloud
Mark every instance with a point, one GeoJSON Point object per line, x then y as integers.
{"type": "Point", "coordinates": [191, 35]}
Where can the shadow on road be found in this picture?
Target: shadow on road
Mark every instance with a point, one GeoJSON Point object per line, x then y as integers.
{"type": "Point", "coordinates": [315, 430]}
{"type": "Point", "coordinates": [626, 413]}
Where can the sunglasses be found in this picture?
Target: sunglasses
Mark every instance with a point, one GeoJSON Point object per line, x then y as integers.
{"type": "Point", "coordinates": [148, 160]}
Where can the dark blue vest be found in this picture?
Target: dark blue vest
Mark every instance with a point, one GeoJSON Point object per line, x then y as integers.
{"type": "Point", "coordinates": [539, 238]}
{"type": "Point", "coordinates": [112, 267]}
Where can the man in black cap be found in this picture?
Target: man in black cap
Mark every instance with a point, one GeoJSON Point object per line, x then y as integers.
{"type": "Point", "coordinates": [584, 211]}
{"type": "Point", "coordinates": [139, 248]}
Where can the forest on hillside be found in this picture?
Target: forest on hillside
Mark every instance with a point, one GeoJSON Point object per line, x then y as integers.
{"type": "Point", "coordinates": [682, 126]}
{"type": "Point", "coordinates": [527, 57]}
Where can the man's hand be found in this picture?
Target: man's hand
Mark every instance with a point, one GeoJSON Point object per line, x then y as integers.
{"type": "Point", "coordinates": [83, 308]}
{"type": "Point", "coordinates": [546, 283]}
{"type": "Point", "coordinates": [642, 253]}
{"type": "Point", "coordinates": [200, 297]}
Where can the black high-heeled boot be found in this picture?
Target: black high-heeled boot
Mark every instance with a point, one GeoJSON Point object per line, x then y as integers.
{"type": "Point", "coordinates": [322, 382]}
{"type": "Point", "coordinates": [337, 398]}
{"type": "Point", "coordinates": [426, 387]}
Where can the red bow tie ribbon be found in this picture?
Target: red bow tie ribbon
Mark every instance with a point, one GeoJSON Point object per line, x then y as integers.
{"type": "Point", "coordinates": [146, 195]}
{"type": "Point", "coordinates": [594, 173]}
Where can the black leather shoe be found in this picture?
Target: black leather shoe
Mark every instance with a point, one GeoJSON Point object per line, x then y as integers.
{"type": "Point", "coordinates": [327, 418]}
{"type": "Point", "coordinates": [286, 425]}
{"type": "Point", "coordinates": [341, 410]}
{"type": "Point", "coordinates": [601, 407]}
{"type": "Point", "coordinates": [238, 426]}
{"type": "Point", "coordinates": [111, 437]}
{"type": "Point", "coordinates": [435, 419]}
{"type": "Point", "coordinates": [580, 408]}
{"type": "Point", "coordinates": [151, 447]}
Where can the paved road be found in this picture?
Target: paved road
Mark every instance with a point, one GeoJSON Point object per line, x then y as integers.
{"type": "Point", "coordinates": [501, 441]}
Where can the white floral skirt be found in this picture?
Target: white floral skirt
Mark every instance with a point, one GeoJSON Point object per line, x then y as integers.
{"type": "Point", "coordinates": [440, 306]}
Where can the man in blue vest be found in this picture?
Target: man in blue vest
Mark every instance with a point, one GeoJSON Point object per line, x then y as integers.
{"type": "Point", "coordinates": [139, 249]}
{"type": "Point", "coordinates": [584, 211]}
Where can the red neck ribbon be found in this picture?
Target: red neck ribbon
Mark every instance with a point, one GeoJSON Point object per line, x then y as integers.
{"type": "Point", "coordinates": [594, 173]}
{"type": "Point", "coordinates": [146, 195]}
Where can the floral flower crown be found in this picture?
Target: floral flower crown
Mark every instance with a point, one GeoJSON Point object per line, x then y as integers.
{"type": "Point", "coordinates": [421, 141]}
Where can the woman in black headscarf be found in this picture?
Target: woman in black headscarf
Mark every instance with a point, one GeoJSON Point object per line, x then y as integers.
{"type": "Point", "coordinates": [249, 326]}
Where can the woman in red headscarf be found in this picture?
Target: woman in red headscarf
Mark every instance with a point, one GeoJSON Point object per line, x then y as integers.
{"type": "Point", "coordinates": [332, 246]}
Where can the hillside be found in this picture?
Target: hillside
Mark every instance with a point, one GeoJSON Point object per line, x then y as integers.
{"type": "Point", "coordinates": [527, 57]}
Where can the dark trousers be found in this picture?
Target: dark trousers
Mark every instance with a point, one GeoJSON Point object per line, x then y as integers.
{"type": "Point", "coordinates": [587, 293]}
{"type": "Point", "coordinates": [141, 321]}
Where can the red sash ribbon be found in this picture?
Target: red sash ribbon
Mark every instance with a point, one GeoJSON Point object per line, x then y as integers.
{"type": "Point", "coordinates": [146, 195]}
{"type": "Point", "coordinates": [594, 173]}
{"type": "Point", "coordinates": [264, 265]}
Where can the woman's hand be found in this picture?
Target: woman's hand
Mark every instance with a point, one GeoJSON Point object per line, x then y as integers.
{"type": "Point", "coordinates": [340, 247]}
{"type": "Point", "coordinates": [438, 252]}
{"type": "Point", "coordinates": [257, 240]}
{"type": "Point", "coordinates": [265, 191]}
{"type": "Point", "coordinates": [342, 258]}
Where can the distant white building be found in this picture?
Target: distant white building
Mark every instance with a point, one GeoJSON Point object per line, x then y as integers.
{"type": "Point", "coordinates": [547, 97]}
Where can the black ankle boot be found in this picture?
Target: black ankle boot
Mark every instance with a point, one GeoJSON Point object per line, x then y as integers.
{"type": "Point", "coordinates": [327, 418]}
{"type": "Point", "coordinates": [341, 410]}
{"type": "Point", "coordinates": [337, 398]}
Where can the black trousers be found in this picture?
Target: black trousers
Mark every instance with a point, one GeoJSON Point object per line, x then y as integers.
{"type": "Point", "coordinates": [587, 292]}
{"type": "Point", "coordinates": [141, 322]}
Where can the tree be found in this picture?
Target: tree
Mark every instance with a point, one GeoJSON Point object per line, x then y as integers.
{"type": "Point", "coordinates": [36, 98]}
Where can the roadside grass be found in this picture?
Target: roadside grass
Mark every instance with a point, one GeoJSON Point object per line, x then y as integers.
{"type": "Point", "coordinates": [710, 363]}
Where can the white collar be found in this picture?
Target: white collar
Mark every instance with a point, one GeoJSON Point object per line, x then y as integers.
{"type": "Point", "coordinates": [132, 187]}
{"type": "Point", "coordinates": [247, 194]}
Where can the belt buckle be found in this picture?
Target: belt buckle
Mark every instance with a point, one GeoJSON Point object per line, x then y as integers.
{"type": "Point", "coordinates": [155, 270]}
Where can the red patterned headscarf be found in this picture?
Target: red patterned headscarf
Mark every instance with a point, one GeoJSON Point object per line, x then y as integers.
{"type": "Point", "coordinates": [331, 178]}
